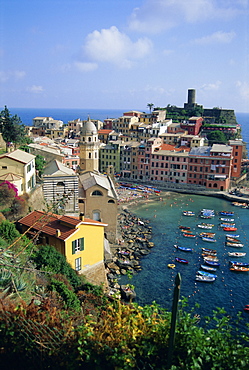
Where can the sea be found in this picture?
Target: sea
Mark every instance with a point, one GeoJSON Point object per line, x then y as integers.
{"type": "Point", "coordinates": [155, 282]}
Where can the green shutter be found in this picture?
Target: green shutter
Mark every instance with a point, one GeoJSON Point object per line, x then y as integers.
{"type": "Point", "coordinates": [81, 244]}
{"type": "Point", "coordinates": [73, 246]}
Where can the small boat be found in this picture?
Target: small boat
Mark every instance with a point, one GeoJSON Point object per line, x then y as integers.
{"type": "Point", "coordinates": [227, 225]}
{"type": "Point", "coordinates": [188, 235]}
{"type": "Point", "coordinates": [232, 236]}
{"type": "Point", "coordinates": [181, 260]}
{"type": "Point", "coordinates": [207, 235]}
{"type": "Point", "coordinates": [184, 249]}
{"type": "Point", "coordinates": [226, 219]}
{"type": "Point", "coordinates": [207, 213]}
{"type": "Point", "coordinates": [246, 309]}
{"type": "Point", "coordinates": [239, 268]}
{"type": "Point", "coordinates": [205, 279]}
{"type": "Point", "coordinates": [211, 251]}
{"type": "Point", "coordinates": [226, 213]}
{"type": "Point", "coordinates": [210, 258]}
{"type": "Point", "coordinates": [233, 240]}
{"type": "Point", "coordinates": [171, 265]}
{"type": "Point", "coordinates": [238, 263]}
{"type": "Point", "coordinates": [186, 231]}
{"type": "Point", "coordinates": [205, 273]}
{"type": "Point", "coordinates": [211, 240]}
{"type": "Point", "coordinates": [212, 263]}
{"type": "Point", "coordinates": [184, 227]}
{"type": "Point", "coordinates": [230, 228]}
{"type": "Point", "coordinates": [236, 254]}
{"type": "Point", "coordinates": [188, 213]}
{"type": "Point", "coordinates": [235, 245]}
{"type": "Point", "coordinates": [208, 268]}
{"type": "Point", "coordinates": [205, 226]}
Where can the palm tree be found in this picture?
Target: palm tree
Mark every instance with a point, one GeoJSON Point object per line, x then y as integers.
{"type": "Point", "coordinates": [150, 105]}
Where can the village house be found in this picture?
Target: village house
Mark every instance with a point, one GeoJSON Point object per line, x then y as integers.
{"type": "Point", "coordinates": [81, 241]}
{"type": "Point", "coordinates": [18, 167]}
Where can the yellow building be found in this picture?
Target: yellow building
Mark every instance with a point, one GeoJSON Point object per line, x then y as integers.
{"type": "Point", "coordinates": [80, 241]}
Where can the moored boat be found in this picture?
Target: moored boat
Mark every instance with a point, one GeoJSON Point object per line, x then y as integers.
{"type": "Point", "coordinates": [230, 228]}
{"type": "Point", "coordinates": [235, 245]}
{"type": "Point", "coordinates": [211, 251]}
{"type": "Point", "coordinates": [181, 260]}
{"type": "Point", "coordinates": [207, 239]}
{"type": "Point", "coordinates": [188, 213]}
{"type": "Point", "coordinates": [184, 227]}
{"type": "Point", "coordinates": [225, 224]}
{"type": "Point", "coordinates": [210, 258]}
{"type": "Point", "coordinates": [232, 235]}
{"type": "Point", "coordinates": [238, 263]}
{"type": "Point", "coordinates": [208, 268]}
{"type": "Point", "coordinates": [239, 268]}
{"type": "Point", "coordinates": [205, 226]}
{"type": "Point", "coordinates": [205, 273]}
{"type": "Point", "coordinates": [184, 249]}
{"type": "Point", "coordinates": [226, 213]}
{"type": "Point", "coordinates": [206, 234]}
{"type": "Point", "coordinates": [212, 263]}
{"type": "Point", "coordinates": [233, 240]}
{"type": "Point", "coordinates": [188, 235]}
{"type": "Point", "coordinates": [226, 219]}
{"type": "Point", "coordinates": [236, 254]}
{"type": "Point", "coordinates": [205, 279]}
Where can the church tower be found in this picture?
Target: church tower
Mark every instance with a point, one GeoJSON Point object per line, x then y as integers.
{"type": "Point", "coordinates": [89, 147]}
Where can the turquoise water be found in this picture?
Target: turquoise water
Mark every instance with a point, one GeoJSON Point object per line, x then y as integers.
{"type": "Point", "coordinates": [156, 281]}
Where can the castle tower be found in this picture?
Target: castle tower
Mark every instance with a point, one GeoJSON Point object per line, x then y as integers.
{"type": "Point", "coordinates": [191, 96]}
{"type": "Point", "coordinates": [89, 147]}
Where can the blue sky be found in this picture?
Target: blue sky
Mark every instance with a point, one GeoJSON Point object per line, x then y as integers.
{"type": "Point", "coordinates": [124, 53]}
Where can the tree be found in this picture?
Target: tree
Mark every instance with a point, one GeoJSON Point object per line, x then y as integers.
{"type": "Point", "coordinates": [150, 106]}
{"type": "Point", "coordinates": [11, 127]}
{"type": "Point", "coordinates": [217, 137]}
{"type": "Point", "coordinates": [40, 163]}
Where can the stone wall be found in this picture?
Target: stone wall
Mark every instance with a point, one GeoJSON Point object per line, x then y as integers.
{"type": "Point", "coordinates": [36, 200]}
{"type": "Point", "coordinates": [96, 274]}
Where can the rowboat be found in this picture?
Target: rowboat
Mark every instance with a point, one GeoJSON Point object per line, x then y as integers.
{"type": "Point", "coordinates": [208, 235]}
{"type": "Point", "coordinates": [207, 213]}
{"type": "Point", "coordinates": [236, 254]}
{"type": "Point", "coordinates": [233, 240]}
{"type": "Point", "coordinates": [188, 235]}
{"type": "Point", "coordinates": [232, 236]}
{"type": "Point", "coordinates": [212, 263]}
{"type": "Point", "coordinates": [230, 228]}
{"type": "Point", "coordinates": [208, 268]}
{"type": "Point", "coordinates": [235, 245]}
{"type": "Point", "coordinates": [226, 219]}
{"type": "Point", "coordinates": [205, 273]}
{"type": "Point", "coordinates": [205, 226]}
{"type": "Point", "coordinates": [184, 227]}
{"type": "Point", "coordinates": [210, 258]}
{"type": "Point", "coordinates": [186, 231]}
{"type": "Point", "coordinates": [227, 224]}
{"type": "Point", "coordinates": [184, 249]}
{"type": "Point", "coordinates": [206, 239]}
{"type": "Point", "coordinates": [226, 213]}
{"type": "Point", "coordinates": [211, 251]}
{"type": "Point", "coordinates": [205, 279]}
{"type": "Point", "coordinates": [238, 263]}
{"type": "Point", "coordinates": [239, 268]}
{"type": "Point", "coordinates": [188, 213]}
{"type": "Point", "coordinates": [181, 260]}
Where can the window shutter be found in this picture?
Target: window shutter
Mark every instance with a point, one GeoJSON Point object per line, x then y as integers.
{"type": "Point", "coordinates": [73, 246]}
{"type": "Point", "coordinates": [82, 244]}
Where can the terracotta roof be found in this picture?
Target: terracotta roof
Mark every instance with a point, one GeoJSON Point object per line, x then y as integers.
{"type": "Point", "coordinates": [104, 131]}
{"type": "Point", "coordinates": [172, 147]}
{"type": "Point", "coordinates": [48, 223]}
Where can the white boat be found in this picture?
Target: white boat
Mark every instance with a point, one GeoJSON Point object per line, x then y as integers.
{"type": "Point", "coordinates": [205, 279]}
{"type": "Point", "coordinates": [236, 254]}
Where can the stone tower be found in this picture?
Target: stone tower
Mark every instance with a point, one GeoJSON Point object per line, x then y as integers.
{"type": "Point", "coordinates": [89, 147]}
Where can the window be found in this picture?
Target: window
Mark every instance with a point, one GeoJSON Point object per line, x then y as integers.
{"type": "Point", "coordinates": [4, 167]}
{"type": "Point", "coordinates": [77, 245]}
{"type": "Point", "coordinates": [78, 264]}
{"type": "Point", "coordinates": [97, 193]}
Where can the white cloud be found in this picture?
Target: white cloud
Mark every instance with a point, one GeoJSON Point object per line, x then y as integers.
{"type": "Point", "coordinates": [8, 75]}
{"type": "Point", "coordinates": [218, 37]}
{"type": "Point", "coordinates": [156, 16]}
{"type": "Point", "coordinates": [243, 88]}
{"type": "Point", "coordinates": [112, 46]}
{"type": "Point", "coordinates": [85, 67]}
{"type": "Point", "coordinates": [211, 86]}
{"type": "Point", "coordinates": [35, 89]}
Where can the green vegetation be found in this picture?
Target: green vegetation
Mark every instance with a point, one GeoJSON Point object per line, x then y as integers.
{"type": "Point", "coordinates": [217, 137]}
{"type": "Point", "coordinates": [51, 318]}
{"type": "Point", "coordinates": [11, 127]}
{"type": "Point", "coordinates": [40, 164]}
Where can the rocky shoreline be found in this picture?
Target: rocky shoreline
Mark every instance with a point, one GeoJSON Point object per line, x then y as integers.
{"type": "Point", "coordinates": [133, 243]}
